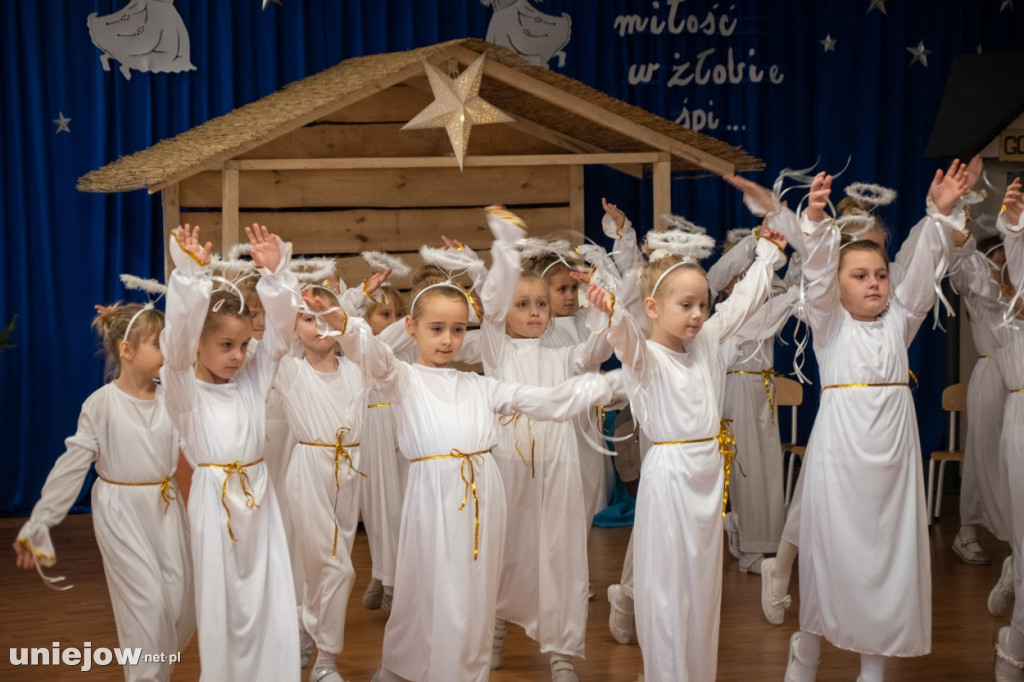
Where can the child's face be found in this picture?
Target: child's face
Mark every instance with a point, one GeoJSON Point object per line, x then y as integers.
{"type": "Point", "coordinates": [382, 316]}
{"type": "Point", "coordinates": [222, 350]}
{"type": "Point", "coordinates": [307, 334]}
{"type": "Point", "coordinates": [863, 284]}
{"type": "Point", "coordinates": [145, 357]}
{"type": "Point", "coordinates": [439, 330]}
{"type": "Point", "coordinates": [255, 306]}
{"type": "Point", "coordinates": [681, 307]}
{"type": "Point", "coordinates": [564, 293]}
{"type": "Point", "coordinates": [529, 314]}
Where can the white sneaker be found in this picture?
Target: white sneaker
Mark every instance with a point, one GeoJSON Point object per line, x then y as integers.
{"type": "Point", "coordinates": [373, 595]}
{"type": "Point", "coordinates": [620, 619]}
{"type": "Point", "coordinates": [325, 675]}
{"type": "Point", "coordinates": [774, 609]}
{"type": "Point", "coordinates": [795, 668]}
{"type": "Point", "coordinates": [500, 628]}
{"type": "Point", "coordinates": [1008, 669]}
{"type": "Point", "coordinates": [562, 669]}
{"type": "Point", "coordinates": [751, 562]}
{"type": "Point", "coordinates": [1001, 598]}
{"type": "Point", "coordinates": [732, 532]}
{"type": "Point", "coordinates": [970, 551]}
{"type": "Point", "coordinates": [305, 647]}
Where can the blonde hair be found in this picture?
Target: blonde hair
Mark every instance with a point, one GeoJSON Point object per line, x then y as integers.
{"type": "Point", "coordinates": [426, 281]}
{"type": "Point", "coordinates": [224, 303]}
{"type": "Point", "coordinates": [112, 325]}
{"type": "Point", "coordinates": [850, 206]}
{"type": "Point", "coordinates": [652, 271]}
{"type": "Point", "coordinates": [394, 298]}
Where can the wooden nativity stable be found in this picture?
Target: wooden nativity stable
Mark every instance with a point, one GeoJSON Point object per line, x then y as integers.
{"type": "Point", "coordinates": [323, 161]}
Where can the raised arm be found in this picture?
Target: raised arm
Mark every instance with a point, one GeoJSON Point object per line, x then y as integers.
{"type": "Point", "coordinates": [732, 314]}
{"type": "Point", "coordinates": [1011, 225]}
{"type": "Point", "coordinates": [821, 261]}
{"type": "Point", "coordinates": [499, 287]}
{"type": "Point", "coordinates": [623, 332]}
{"type": "Point", "coordinates": [616, 225]}
{"type": "Point", "coordinates": [552, 403]}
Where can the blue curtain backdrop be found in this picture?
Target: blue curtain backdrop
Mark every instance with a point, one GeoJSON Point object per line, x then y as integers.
{"type": "Point", "coordinates": [62, 250]}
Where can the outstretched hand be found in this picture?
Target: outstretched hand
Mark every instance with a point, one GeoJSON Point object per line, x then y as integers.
{"type": "Point", "coordinates": [817, 200]}
{"type": "Point", "coordinates": [613, 212]}
{"type": "Point", "coordinates": [376, 280]}
{"type": "Point", "coordinates": [600, 299]}
{"type": "Point", "coordinates": [774, 236]}
{"type": "Point", "coordinates": [949, 186]}
{"type": "Point", "coordinates": [974, 170]}
{"type": "Point", "coordinates": [452, 243]}
{"type": "Point", "coordinates": [316, 303]}
{"type": "Point", "coordinates": [266, 249]}
{"type": "Point", "coordinates": [760, 194]}
{"type": "Point", "coordinates": [189, 238]}
{"type": "Point", "coordinates": [25, 558]}
{"type": "Point", "coordinates": [1013, 201]}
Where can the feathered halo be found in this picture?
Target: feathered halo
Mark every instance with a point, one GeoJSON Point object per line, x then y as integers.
{"type": "Point", "coordinates": [151, 287]}
{"type": "Point", "coordinates": [678, 222]}
{"type": "Point", "coordinates": [535, 247]}
{"type": "Point", "coordinates": [452, 262]}
{"type": "Point", "coordinates": [737, 234]}
{"type": "Point", "coordinates": [870, 194]}
{"type": "Point", "coordinates": [317, 269]}
{"type": "Point", "coordinates": [692, 246]}
{"type": "Point", "coordinates": [381, 262]}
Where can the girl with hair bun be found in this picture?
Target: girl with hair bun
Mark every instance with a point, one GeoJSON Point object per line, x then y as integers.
{"type": "Point", "coordinates": [139, 522]}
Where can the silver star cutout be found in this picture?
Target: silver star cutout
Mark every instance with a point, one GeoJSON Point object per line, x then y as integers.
{"type": "Point", "coordinates": [920, 54]}
{"type": "Point", "coordinates": [457, 106]}
{"type": "Point", "coordinates": [1004, 4]}
{"type": "Point", "coordinates": [829, 42]}
{"type": "Point", "coordinates": [62, 124]}
{"type": "Point", "coordinates": [877, 4]}
{"type": "Point", "coordinates": [267, 2]}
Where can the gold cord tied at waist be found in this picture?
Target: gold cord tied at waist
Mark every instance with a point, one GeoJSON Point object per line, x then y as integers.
{"type": "Point", "coordinates": [513, 421]}
{"type": "Point", "coordinates": [370, 407]}
{"type": "Point", "coordinates": [466, 457]}
{"type": "Point", "coordinates": [893, 383]}
{"type": "Point", "coordinates": [340, 452]}
{"type": "Point", "coordinates": [243, 479]}
{"type": "Point", "coordinates": [166, 488]}
{"type": "Point", "coordinates": [984, 357]}
{"type": "Point", "coordinates": [1017, 390]}
{"type": "Point", "coordinates": [726, 447]}
{"type": "Point", "coordinates": [769, 386]}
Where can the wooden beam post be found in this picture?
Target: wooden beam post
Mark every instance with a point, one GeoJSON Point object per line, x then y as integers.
{"type": "Point", "coordinates": [229, 210]}
{"type": "Point", "coordinates": [170, 202]}
{"type": "Point", "coordinates": [662, 189]}
{"type": "Point", "coordinates": [577, 224]}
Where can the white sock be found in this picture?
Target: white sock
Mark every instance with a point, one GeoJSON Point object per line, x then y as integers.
{"type": "Point", "coordinates": [325, 661]}
{"type": "Point", "coordinates": [784, 559]}
{"type": "Point", "coordinates": [967, 533]}
{"type": "Point", "coordinates": [872, 668]}
{"type": "Point", "coordinates": [808, 651]}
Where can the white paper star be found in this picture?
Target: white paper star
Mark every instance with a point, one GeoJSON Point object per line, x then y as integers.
{"type": "Point", "coordinates": [457, 106]}
{"type": "Point", "coordinates": [877, 4]}
{"type": "Point", "coordinates": [62, 124]}
{"type": "Point", "coordinates": [829, 42]}
{"type": "Point", "coordinates": [1004, 4]}
{"type": "Point", "coordinates": [920, 54]}
{"type": "Point", "coordinates": [267, 2]}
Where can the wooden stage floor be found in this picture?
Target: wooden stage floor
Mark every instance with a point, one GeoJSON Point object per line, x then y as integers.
{"type": "Point", "coordinates": [750, 649]}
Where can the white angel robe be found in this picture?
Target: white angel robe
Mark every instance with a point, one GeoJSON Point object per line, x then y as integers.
{"type": "Point", "coordinates": [139, 522]}
{"type": "Point", "coordinates": [984, 495]}
{"type": "Point", "coordinates": [865, 572]}
{"type": "Point", "coordinates": [544, 577]}
{"type": "Point", "coordinates": [1011, 444]}
{"type": "Point", "coordinates": [453, 521]}
{"type": "Point", "coordinates": [245, 598]}
{"type": "Point", "coordinates": [677, 531]}
{"type": "Point", "coordinates": [324, 481]}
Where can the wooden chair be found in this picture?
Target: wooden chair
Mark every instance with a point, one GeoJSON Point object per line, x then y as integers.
{"type": "Point", "coordinates": [790, 393]}
{"type": "Point", "coordinates": [954, 400]}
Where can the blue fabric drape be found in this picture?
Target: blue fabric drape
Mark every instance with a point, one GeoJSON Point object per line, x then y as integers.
{"type": "Point", "coordinates": [62, 250]}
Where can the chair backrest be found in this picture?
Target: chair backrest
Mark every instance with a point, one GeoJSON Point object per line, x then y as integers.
{"type": "Point", "coordinates": [954, 397]}
{"type": "Point", "coordinates": [788, 391]}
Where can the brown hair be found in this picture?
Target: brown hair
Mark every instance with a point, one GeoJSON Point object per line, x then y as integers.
{"type": "Point", "coordinates": [850, 206]}
{"type": "Point", "coordinates": [112, 323]}
{"type": "Point", "coordinates": [394, 297]}
{"type": "Point", "coordinates": [424, 278]}
{"type": "Point", "coordinates": [224, 303]}
{"type": "Point", "coordinates": [652, 270]}
{"type": "Point", "coordinates": [850, 244]}
{"type": "Point", "coordinates": [546, 266]}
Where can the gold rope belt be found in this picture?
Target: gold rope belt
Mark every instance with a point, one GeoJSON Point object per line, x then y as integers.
{"type": "Point", "coordinates": [726, 447]}
{"type": "Point", "coordinates": [378, 405]}
{"type": "Point", "coordinates": [243, 478]}
{"type": "Point", "coordinates": [466, 457]}
{"type": "Point", "coordinates": [894, 383]}
{"type": "Point", "coordinates": [984, 357]}
{"type": "Point", "coordinates": [340, 452]}
{"type": "Point", "coordinates": [512, 421]}
{"type": "Point", "coordinates": [166, 488]}
{"type": "Point", "coordinates": [769, 386]}
{"type": "Point", "coordinates": [1017, 390]}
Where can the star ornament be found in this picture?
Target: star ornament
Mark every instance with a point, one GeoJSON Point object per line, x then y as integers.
{"type": "Point", "coordinates": [457, 106]}
{"type": "Point", "coordinates": [877, 4]}
{"type": "Point", "coordinates": [829, 43]}
{"type": "Point", "coordinates": [920, 54]}
{"type": "Point", "coordinates": [62, 124]}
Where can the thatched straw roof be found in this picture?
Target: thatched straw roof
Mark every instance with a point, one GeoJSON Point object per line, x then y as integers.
{"type": "Point", "coordinates": [321, 94]}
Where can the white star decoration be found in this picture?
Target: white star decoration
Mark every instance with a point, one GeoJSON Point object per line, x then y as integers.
{"type": "Point", "coordinates": [829, 42]}
{"type": "Point", "coordinates": [1004, 4]}
{"type": "Point", "coordinates": [62, 124]}
{"type": "Point", "coordinates": [457, 106]}
{"type": "Point", "coordinates": [267, 2]}
{"type": "Point", "coordinates": [877, 4]}
{"type": "Point", "coordinates": [920, 54]}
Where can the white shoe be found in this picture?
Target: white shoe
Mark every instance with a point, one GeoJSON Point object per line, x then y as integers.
{"type": "Point", "coordinates": [774, 609]}
{"type": "Point", "coordinates": [732, 532]}
{"type": "Point", "coordinates": [325, 675]}
{"type": "Point", "coordinates": [500, 628]}
{"type": "Point", "coordinates": [1008, 669]}
{"type": "Point", "coordinates": [751, 562]}
{"type": "Point", "coordinates": [795, 668]}
{"type": "Point", "coordinates": [373, 595]}
{"type": "Point", "coordinates": [305, 647]}
{"type": "Point", "coordinates": [562, 669]}
{"type": "Point", "coordinates": [1001, 598]}
{"type": "Point", "coordinates": [970, 551]}
{"type": "Point", "coordinates": [620, 619]}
